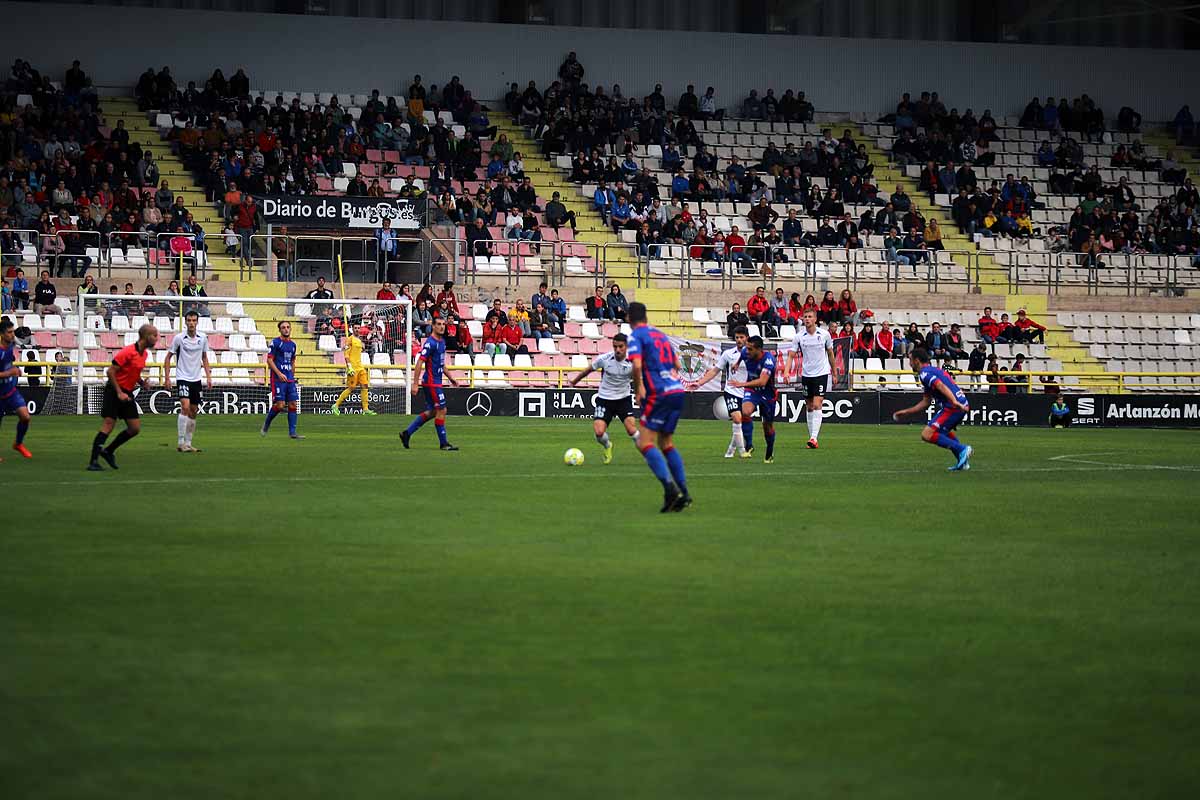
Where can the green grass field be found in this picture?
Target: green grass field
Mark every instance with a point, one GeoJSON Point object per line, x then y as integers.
{"type": "Point", "coordinates": [339, 617]}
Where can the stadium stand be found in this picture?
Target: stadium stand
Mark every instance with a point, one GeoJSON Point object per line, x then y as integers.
{"type": "Point", "coordinates": [593, 186]}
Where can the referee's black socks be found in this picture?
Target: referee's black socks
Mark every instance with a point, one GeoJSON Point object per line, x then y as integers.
{"type": "Point", "coordinates": [98, 445]}
{"type": "Point", "coordinates": [122, 437]}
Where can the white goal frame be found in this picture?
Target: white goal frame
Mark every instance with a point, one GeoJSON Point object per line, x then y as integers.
{"type": "Point", "coordinates": [86, 301]}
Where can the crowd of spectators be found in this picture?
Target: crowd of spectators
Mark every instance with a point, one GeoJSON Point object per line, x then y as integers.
{"type": "Point", "coordinates": [71, 183]}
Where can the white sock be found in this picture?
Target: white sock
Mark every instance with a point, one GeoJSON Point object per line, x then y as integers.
{"type": "Point", "coordinates": [739, 441]}
{"type": "Point", "coordinates": [181, 423]}
{"type": "Point", "coordinates": [817, 417]}
{"type": "Point", "coordinates": [191, 430]}
{"type": "Point", "coordinates": [808, 418]}
{"type": "Point", "coordinates": [603, 439]}
{"type": "Point", "coordinates": [636, 435]}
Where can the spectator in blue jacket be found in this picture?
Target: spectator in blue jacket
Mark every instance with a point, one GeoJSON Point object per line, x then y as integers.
{"type": "Point", "coordinates": [948, 179]}
{"type": "Point", "coordinates": [618, 306]}
{"type": "Point", "coordinates": [541, 296]}
{"type": "Point", "coordinates": [557, 310]}
{"type": "Point", "coordinates": [621, 213]}
{"type": "Point", "coordinates": [19, 292]}
{"type": "Point", "coordinates": [603, 200]}
{"type": "Point", "coordinates": [671, 160]}
{"type": "Point", "coordinates": [680, 186]}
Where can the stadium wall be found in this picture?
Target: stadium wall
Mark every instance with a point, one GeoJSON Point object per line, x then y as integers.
{"type": "Point", "coordinates": [348, 54]}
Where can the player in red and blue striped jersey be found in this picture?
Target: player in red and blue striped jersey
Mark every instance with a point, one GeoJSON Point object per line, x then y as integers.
{"type": "Point", "coordinates": [431, 369]}
{"type": "Point", "coordinates": [660, 394]}
{"type": "Point", "coordinates": [761, 393]}
{"type": "Point", "coordinates": [950, 404]}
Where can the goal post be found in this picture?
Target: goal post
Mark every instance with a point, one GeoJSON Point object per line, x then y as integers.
{"type": "Point", "coordinates": [239, 331]}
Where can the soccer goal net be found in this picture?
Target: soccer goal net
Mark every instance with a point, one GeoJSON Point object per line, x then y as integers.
{"type": "Point", "coordinates": [330, 335]}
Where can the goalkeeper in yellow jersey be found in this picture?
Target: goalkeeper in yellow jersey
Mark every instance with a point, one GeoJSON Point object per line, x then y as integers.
{"type": "Point", "coordinates": [356, 374]}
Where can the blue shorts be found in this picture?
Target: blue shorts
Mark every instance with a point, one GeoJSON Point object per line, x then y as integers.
{"type": "Point", "coordinates": [947, 420]}
{"type": "Point", "coordinates": [764, 403]}
{"type": "Point", "coordinates": [285, 392]}
{"type": "Point", "coordinates": [12, 403]}
{"type": "Point", "coordinates": [435, 398]}
{"type": "Point", "coordinates": [661, 414]}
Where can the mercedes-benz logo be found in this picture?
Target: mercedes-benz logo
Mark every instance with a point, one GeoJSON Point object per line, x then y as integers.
{"type": "Point", "coordinates": [479, 404]}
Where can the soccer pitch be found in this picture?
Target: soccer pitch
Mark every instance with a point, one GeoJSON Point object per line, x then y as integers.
{"type": "Point", "coordinates": [339, 617]}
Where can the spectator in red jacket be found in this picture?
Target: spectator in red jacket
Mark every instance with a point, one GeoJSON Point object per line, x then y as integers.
{"type": "Point", "coordinates": [1030, 330]}
{"type": "Point", "coordinates": [758, 307]}
{"type": "Point", "coordinates": [884, 341]}
{"type": "Point", "coordinates": [847, 308]}
{"type": "Point", "coordinates": [864, 342]}
{"type": "Point", "coordinates": [989, 328]}
{"type": "Point", "coordinates": [447, 294]}
{"type": "Point", "coordinates": [385, 292]}
{"type": "Point", "coordinates": [493, 337]}
{"type": "Point", "coordinates": [735, 248]}
{"type": "Point", "coordinates": [512, 339]}
{"type": "Point", "coordinates": [828, 310]}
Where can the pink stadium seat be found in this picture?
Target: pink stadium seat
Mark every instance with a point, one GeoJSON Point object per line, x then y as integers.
{"type": "Point", "coordinates": [573, 330]}
{"type": "Point", "coordinates": [43, 339]}
{"type": "Point", "coordinates": [110, 340]}
{"type": "Point", "coordinates": [66, 339]}
{"type": "Point", "coordinates": [391, 157]}
{"type": "Point", "coordinates": [423, 172]}
{"type": "Point", "coordinates": [609, 330]}
{"type": "Point", "coordinates": [216, 341]}
{"type": "Point", "coordinates": [568, 346]}
{"type": "Point", "coordinates": [374, 155]}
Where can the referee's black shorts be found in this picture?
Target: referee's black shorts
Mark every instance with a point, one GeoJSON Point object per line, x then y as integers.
{"type": "Point", "coordinates": [113, 407]}
{"type": "Point", "coordinates": [608, 410]}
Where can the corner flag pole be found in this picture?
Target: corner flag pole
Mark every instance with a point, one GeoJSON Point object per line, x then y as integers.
{"type": "Point", "coordinates": [345, 308]}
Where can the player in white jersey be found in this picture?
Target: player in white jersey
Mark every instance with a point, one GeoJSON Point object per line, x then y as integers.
{"type": "Point", "coordinates": [733, 374]}
{"type": "Point", "coordinates": [190, 350]}
{"type": "Point", "coordinates": [614, 400]}
{"type": "Point", "coordinates": [814, 346]}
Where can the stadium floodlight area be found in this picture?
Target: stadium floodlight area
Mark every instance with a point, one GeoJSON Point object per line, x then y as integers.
{"type": "Point", "coordinates": [240, 332]}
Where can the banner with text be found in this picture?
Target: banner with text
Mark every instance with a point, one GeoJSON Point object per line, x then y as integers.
{"type": "Point", "coordinates": [313, 211]}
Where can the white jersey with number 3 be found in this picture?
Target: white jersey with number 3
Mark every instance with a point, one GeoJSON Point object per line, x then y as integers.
{"type": "Point", "coordinates": [813, 349]}
{"type": "Point", "coordinates": [732, 369]}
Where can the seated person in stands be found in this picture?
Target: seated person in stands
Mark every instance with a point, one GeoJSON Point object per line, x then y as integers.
{"type": "Point", "coordinates": [597, 306]}
{"type": "Point", "coordinates": [735, 319]}
{"type": "Point", "coordinates": [618, 306]}
{"type": "Point", "coordinates": [1009, 332]}
{"type": "Point", "coordinates": [512, 339]}
{"type": "Point", "coordinates": [988, 327]}
{"type": "Point", "coordinates": [557, 307]}
{"type": "Point", "coordinates": [493, 337]}
{"type": "Point", "coordinates": [324, 320]}
{"type": "Point", "coordinates": [539, 322]}
{"type": "Point", "coordinates": [955, 345]}
{"type": "Point", "coordinates": [885, 341]}
{"type": "Point", "coordinates": [422, 320]}
{"type": "Point", "coordinates": [864, 342]}
{"type": "Point", "coordinates": [1030, 331]}
{"type": "Point", "coordinates": [936, 342]}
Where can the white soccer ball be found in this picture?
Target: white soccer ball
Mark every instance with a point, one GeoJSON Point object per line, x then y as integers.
{"type": "Point", "coordinates": [573, 457]}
